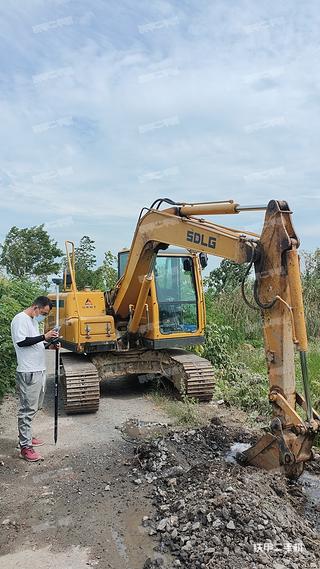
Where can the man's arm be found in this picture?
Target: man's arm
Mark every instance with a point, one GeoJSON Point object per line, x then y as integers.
{"type": "Point", "coordinates": [31, 341]}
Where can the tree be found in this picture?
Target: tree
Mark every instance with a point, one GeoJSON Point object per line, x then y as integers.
{"type": "Point", "coordinates": [30, 253]}
{"type": "Point", "coordinates": [101, 278]}
{"type": "Point", "coordinates": [109, 272]}
{"type": "Point", "coordinates": [226, 277]}
{"type": "Point", "coordinates": [312, 265]}
{"type": "Point", "coordinates": [85, 253]}
{"type": "Point", "coordinates": [85, 262]}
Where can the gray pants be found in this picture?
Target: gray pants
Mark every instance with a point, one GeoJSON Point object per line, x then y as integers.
{"type": "Point", "coordinates": [31, 388]}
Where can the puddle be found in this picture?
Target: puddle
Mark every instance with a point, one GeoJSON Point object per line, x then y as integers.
{"type": "Point", "coordinates": [311, 489]}
{"type": "Point", "coordinates": [120, 545]}
{"type": "Point", "coordinates": [235, 449]}
{"type": "Point", "coordinates": [136, 429]}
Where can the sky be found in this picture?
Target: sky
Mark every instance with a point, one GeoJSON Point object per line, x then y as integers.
{"type": "Point", "coordinates": [107, 105]}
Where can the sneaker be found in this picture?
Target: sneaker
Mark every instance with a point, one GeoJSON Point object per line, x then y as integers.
{"type": "Point", "coordinates": [37, 442]}
{"type": "Point", "coordinates": [29, 454]}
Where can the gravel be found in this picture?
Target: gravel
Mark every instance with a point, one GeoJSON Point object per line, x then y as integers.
{"type": "Point", "coordinates": [210, 513]}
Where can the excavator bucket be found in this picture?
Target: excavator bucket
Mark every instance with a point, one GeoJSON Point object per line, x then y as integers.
{"type": "Point", "coordinates": [280, 450]}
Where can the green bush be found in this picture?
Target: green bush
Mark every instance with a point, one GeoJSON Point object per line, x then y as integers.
{"type": "Point", "coordinates": [15, 296]}
{"type": "Point", "coordinates": [229, 309]}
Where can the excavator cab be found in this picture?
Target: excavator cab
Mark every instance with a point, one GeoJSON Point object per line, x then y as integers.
{"type": "Point", "coordinates": [176, 292]}
{"type": "Point", "coordinates": [174, 306]}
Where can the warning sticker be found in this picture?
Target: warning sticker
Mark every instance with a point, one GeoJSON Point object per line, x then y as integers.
{"type": "Point", "coordinates": [88, 303]}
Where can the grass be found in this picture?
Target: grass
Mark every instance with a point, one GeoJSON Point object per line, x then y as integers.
{"type": "Point", "coordinates": [250, 390]}
{"type": "Point", "coordinates": [185, 413]}
{"type": "Point", "coordinates": [246, 389]}
{"type": "Point", "coordinates": [313, 359]}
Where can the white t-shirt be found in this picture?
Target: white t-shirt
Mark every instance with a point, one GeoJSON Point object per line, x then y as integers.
{"type": "Point", "coordinates": [30, 358]}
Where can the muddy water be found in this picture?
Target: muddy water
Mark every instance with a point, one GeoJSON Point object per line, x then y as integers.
{"type": "Point", "coordinates": [236, 449]}
{"type": "Point", "coordinates": [310, 484]}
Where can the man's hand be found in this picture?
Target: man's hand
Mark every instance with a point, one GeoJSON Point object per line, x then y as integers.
{"type": "Point", "coordinates": [51, 334]}
{"type": "Point", "coordinates": [54, 346]}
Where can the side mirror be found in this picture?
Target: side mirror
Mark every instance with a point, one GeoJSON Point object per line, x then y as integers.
{"type": "Point", "coordinates": [203, 258]}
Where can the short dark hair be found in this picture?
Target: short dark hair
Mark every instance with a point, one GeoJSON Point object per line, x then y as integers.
{"type": "Point", "coordinates": [42, 301]}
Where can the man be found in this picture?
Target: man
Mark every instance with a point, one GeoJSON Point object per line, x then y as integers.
{"type": "Point", "coordinates": [30, 351]}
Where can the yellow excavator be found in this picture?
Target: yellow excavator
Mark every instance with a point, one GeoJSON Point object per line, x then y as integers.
{"type": "Point", "coordinates": [157, 308]}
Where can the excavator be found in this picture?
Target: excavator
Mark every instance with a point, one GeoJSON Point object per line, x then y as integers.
{"type": "Point", "coordinates": [157, 309]}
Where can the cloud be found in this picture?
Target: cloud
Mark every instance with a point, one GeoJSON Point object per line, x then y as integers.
{"type": "Point", "coordinates": [195, 101]}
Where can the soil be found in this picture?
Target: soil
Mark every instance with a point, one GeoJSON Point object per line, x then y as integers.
{"type": "Point", "coordinates": [79, 506]}
{"type": "Point", "coordinates": [124, 490]}
{"type": "Point", "coordinates": [211, 512]}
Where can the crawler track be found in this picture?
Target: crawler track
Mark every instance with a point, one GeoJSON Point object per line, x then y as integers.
{"type": "Point", "coordinates": [81, 375]}
{"type": "Point", "coordinates": [197, 374]}
{"type": "Point", "coordinates": [191, 374]}
{"type": "Point", "coordinates": [81, 384]}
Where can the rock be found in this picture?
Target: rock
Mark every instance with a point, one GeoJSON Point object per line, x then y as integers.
{"type": "Point", "coordinates": [187, 546]}
{"type": "Point", "coordinates": [186, 527]}
{"type": "Point", "coordinates": [107, 487]}
{"type": "Point", "coordinates": [225, 513]}
{"type": "Point", "coordinates": [173, 472]}
{"type": "Point", "coordinates": [162, 524]}
{"type": "Point", "coordinates": [149, 564]}
{"type": "Point", "coordinates": [173, 520]}
{"type": "Point", "coordinates": [215, 514]}
{"type": "Point", "coordinates": [137, 481]}
{"type": "Point", "coordinates": [196, 525]}
{"type": "Point", "coordinates": [226, 551]}
{"type": "Point", "coordinates": [231, 525]}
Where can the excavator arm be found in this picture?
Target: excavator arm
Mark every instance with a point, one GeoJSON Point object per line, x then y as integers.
{"type": "Point", "coordinates": [158, 229]}
{"type": "Point", "coordinates": [277, 294]}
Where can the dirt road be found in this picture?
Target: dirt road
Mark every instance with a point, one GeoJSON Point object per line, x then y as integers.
{"type": "Point", "coordinates": [179, 500]}
{"type": "Point", "coordinates": [79, 506]}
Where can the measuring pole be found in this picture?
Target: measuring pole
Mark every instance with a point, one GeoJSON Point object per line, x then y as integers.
{"type": "Point", "coordinates": [57, 369]}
